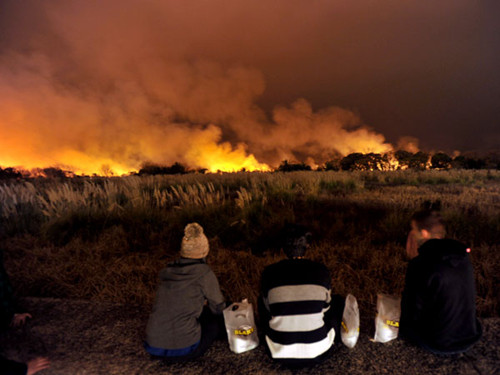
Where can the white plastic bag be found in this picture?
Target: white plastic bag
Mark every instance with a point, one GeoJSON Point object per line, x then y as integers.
{"type": "Point", "coordinates": [350, 322]}
{"type": "Point", "coordinates": [240, 327]}
{"type": "Point", "coordinates": [387, 319]}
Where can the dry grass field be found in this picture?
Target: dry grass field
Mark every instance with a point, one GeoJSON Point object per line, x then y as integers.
{"type": "Point", "coordinates": [107, 238]}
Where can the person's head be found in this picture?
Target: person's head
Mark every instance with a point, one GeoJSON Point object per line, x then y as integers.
{"type": "Point", "coordinates": [428, 224]}
{"type": "Point", "coordinates": [296, 241]}
{"type": "Point", "coordinates": [194, 243]}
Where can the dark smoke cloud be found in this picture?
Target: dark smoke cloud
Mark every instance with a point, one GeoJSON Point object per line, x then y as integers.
{"type": "Point", "coordinates": [121, 82]}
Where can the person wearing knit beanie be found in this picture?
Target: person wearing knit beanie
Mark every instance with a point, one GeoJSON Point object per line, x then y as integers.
{"type": "Point", "coordinates": [187, 313]}
{"type": "Point", "coordinates": [194, 243]}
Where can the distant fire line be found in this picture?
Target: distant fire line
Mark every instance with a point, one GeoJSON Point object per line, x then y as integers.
{"type": "Point", "coordinates": [391, 161]}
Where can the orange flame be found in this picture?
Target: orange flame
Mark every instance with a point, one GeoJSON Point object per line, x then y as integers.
{"type": "Point", "coordinates": [203, 151]}
{"type": "Point", "coordinates": [44, 127]}
{"type": "Point", "coordinates": [206, 152]}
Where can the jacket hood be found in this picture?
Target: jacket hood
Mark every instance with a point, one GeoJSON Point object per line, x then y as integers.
{"type": "Point", "coordinates": [448, 250]}
{"type": "Point", "coordinates": [183, 272]}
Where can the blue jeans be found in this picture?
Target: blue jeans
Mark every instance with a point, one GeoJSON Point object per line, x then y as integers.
{"type": "Point", "coordinates": [160, 352]}
{"type": "Point", "coordinates": [212, 328]}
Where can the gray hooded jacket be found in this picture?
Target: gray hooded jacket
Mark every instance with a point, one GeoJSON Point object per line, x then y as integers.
{"type": "Point", "coordinates": [184, 287]}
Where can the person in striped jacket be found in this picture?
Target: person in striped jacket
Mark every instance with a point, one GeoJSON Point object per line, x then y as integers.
{"type": "Point", "coordinates": [299, 315]}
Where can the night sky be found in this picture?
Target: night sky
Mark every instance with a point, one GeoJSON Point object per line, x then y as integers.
{"type": "Point", "coordinates": [86, 83]}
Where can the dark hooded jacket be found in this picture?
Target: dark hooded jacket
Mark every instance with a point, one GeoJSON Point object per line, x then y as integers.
{"type": "Point", "coordinates": [8, 308]}
{"type": "Point", "coordinates": [8, 367]}
{"type": "Point", "coordinates": [438, 307]}
{"type": "Point", "coordinates": [8, 305]}
{"type": "Point", "coordinates": [184, 287]}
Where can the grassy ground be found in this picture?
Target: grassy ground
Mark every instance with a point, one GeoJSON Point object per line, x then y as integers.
{"type": "Point", "coordinates": [102, 338]}
{"type": "Point", "coordinates": [108, 238]}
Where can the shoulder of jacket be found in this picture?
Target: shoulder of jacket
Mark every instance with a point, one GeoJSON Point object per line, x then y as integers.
{"type": "Point", "coordinates": [206, 271]}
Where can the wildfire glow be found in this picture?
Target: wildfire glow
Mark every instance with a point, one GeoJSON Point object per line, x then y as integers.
{"type": "Point", "coordinates": [107, 87]}
{"type": "Point", "coordinates": [207, 153]}
{"type": "Point", "coordinates": [223, 158]}
{"type": "Point", "coordinates": [204, 153]}
{"type": "Point", "coordinates": [72, 136]}
{"type": "Point", "coordinates": [200, 114]}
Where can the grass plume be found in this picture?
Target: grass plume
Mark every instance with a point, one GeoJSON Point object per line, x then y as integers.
{"type": "Point", "coordinates": [107, 238]}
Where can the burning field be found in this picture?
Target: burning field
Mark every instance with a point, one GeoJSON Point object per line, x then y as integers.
{"type": "Point", "coordinates": [103, 89]}
{"type": "Point", "coordinates": [199, 115]}
{"type": "Point", "coordinates": [107, 113]}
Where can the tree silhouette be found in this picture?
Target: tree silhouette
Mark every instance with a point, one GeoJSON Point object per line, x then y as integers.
{"type": "Point", "coordinates": [404, 158]}
{"type": "Point", "coordinates": [9, 173]}
{"type": "Point", "coordinates": [464, 162]}
{"type": "Point", "coordinates": [440, 160]}
{"type": "Point", "coordinates": [155, 169]}
{"type": "Point", "coordinates": [285, 166]}
{"type": "Point", "coordinates": [351, 162]}
{"type": "Point", "coordinates": [364, 162]}
{"type": "Point", "coordinates": [53, 172]}
{"type": "Point", "coordinates": [419, 160]}
{"type": "Point", "coordinates": [332, 165]}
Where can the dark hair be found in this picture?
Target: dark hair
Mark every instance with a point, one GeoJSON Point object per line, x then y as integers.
{"type": "Point", "coordinates": [431, 221]}
{"type": "Point", "coordinates": [431, 206]}
{"type": "Point", "coordinates": [297, 240]}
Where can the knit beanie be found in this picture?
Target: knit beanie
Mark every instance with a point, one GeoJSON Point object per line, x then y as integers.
{"type": "Point", "coordinates": [194, 243]}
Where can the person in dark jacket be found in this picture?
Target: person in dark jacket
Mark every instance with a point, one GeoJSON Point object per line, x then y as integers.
{"type": "Point", "coordinates": [187, 313]}
{"type": "Point", "coordinates": [438, 307]}
{"type": "Point", "coordinates": [299, 315]}
{"type": "Point", "coordinates": [10, 316]}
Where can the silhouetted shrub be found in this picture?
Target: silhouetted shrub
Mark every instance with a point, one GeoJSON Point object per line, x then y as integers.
{"type": "Point", "coordinates": [464, 162]}
{"type": "Point", "coordinates": [155, 169]}
{"type": "Point", "coordinates": [440, 160]}
{"type": "Point", "coordinates": [419, 160]}
{"type": "Point", "coordinates": [404, 158]}
{"type": "Point", "coordinates": [285, 166]}
{"type": "Point", "coordinates": [364, 162]}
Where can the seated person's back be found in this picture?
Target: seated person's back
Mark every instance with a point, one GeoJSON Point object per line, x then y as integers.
{"type": "Point", "coordinates": [438, 308]}
{"type": "Point", "coordinates": [187, 313]}
{"type": "Point", "coordinates": [295, 306]}
{"type": "Point", "coordinates": [297, 294]}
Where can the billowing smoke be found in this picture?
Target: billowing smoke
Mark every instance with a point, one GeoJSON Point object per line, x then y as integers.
{"type": "Point", "coordinates": [409, 144]}
{"type": "Point", "coordinates": [90, 84]}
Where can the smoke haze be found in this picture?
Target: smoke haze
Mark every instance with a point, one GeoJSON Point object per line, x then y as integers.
{"type": "Point", "coordinates": [233, 84]}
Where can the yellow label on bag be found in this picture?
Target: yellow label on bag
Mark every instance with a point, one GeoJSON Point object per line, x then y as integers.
{"type": "Point", "coordinates": [392, 323]}
{"type": "Point", "coordinates": [344, 326]}
{"type": "Point", "coordinates": [243, 332]}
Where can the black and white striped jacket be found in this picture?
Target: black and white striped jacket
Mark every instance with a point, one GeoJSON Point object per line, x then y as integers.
{"type": "Point", "coordinates": [296, 294]}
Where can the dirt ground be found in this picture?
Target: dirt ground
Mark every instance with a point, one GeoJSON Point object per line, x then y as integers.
{"type": "Point", "coordinates": [83, 337]}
